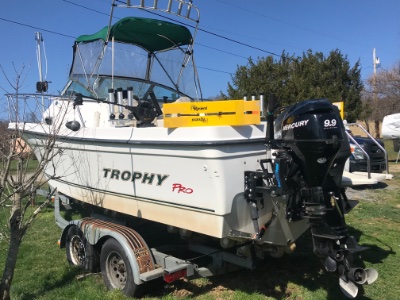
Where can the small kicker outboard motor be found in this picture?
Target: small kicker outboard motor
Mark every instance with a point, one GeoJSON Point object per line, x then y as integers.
{"type": "Point", "coordinates": [310, 148]}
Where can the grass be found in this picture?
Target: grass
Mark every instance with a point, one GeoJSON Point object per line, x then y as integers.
{"type": "Point", "coordinates": [30, 164]}
{"type": "Point", "coordinates": [43, 273]}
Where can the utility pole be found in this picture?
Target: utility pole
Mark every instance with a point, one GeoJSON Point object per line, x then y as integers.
{"type": "Point", "coordinates": [376, 63]}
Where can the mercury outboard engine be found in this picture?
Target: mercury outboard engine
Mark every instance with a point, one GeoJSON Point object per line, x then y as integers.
{"type": "Point", "coordinates": [309, 149]}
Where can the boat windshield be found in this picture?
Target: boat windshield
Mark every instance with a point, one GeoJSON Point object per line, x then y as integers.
{"type": "Point", "coordinates": [141, 89]}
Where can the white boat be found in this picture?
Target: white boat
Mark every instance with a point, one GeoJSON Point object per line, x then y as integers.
{"type": "Point", "coordinates": [129, 136]}
{"type": "Point", "coordinates": [391, 127]}
{"type": "Point", "coordinates": [126, 160]}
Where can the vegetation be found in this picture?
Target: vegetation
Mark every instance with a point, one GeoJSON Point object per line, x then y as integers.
{"type": "Point", "coordinates": [19, 178]}
{"type": "Point", "coordinates": [382, 94]}
{"type": "Point", "coordinates": [43, 273]}
{"type": "Point", "coordinates": [294, 79]}
{"type": "Point", "coordinates": [31, 165]}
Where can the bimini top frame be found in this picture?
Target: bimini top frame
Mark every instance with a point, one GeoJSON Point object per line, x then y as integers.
{"type": "Point", "coordinates": [162, 47]}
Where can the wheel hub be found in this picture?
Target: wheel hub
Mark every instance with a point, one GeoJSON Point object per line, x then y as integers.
{"type": "Point", "coordinates": [77, 250]}
{"type": "Point", "coordinates": [116, 270]}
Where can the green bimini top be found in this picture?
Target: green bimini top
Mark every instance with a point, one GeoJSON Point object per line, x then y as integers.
{"type": "Point", "coordinates": [151, 34]}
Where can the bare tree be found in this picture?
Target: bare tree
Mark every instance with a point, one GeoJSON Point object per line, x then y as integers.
{"type": "Point", "coordinates": [384, 94]}
{"type": "Point", "coordinates": [366, 99]}
{"type": "Point", "coordinates": [18, 183]}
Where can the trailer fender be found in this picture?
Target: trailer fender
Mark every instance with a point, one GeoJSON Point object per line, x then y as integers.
{"type": "Point", "coordinates": [63, 237]}
{"type": "Point", "coordinates": [98, 231]}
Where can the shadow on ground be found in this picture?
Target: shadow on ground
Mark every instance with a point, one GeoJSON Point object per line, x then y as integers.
{"type": "Point", "coordinates": [278, 278]}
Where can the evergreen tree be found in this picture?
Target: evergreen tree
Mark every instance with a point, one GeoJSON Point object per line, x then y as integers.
{"type": "Point", "coordinates": [293, 79]}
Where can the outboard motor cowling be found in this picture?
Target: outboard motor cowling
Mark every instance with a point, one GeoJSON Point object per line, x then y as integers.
{"type": "Point", "coordinates": [314, 132]}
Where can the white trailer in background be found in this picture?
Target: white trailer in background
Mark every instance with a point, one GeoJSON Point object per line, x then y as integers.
{"type": "Point", "coordinates": [391, 131]}
{"type": "Point", "coordinates": [391, 127]}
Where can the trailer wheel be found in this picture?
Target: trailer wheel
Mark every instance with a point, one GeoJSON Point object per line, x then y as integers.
{"type": "Point", "coordinates": [116, 269]}
{"type": "Point", "coordinates": [79, 252]}
{"type": "Point", "coordinates": [277, 252]}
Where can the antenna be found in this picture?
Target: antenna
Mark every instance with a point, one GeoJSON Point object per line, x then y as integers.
{"type": "Point", "coordinates": [41, 86]}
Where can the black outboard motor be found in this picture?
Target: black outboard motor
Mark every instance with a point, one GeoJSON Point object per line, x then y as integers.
{"type": "Point", "coordinates": [311, 148]}
{"type": "Point", "coordinates": [312, 134]}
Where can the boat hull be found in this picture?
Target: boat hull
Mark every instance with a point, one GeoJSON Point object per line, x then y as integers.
{"type": "Point", "coordinates": [190, 178]}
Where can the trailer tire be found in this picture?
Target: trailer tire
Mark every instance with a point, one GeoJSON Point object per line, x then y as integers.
{"type": "Point", "coordinates": [277, 252]}
{"type": "Point", "coordinates": [80, 252]}
{"type": "Point", "coordinates": [116, 269]}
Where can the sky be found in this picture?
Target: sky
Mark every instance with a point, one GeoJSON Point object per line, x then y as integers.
{"type": "Point", "coordinates": [231, 32]}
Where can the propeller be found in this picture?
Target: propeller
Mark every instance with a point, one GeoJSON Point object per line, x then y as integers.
{"type": "Point", "coordinates": [348, 288]}
{"type": "Point", "coordinates": [359, 276]}
{"type": "Point", "coordinates": [372, 275]}
{"type": "Point", "coordinates": [330, 264]}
